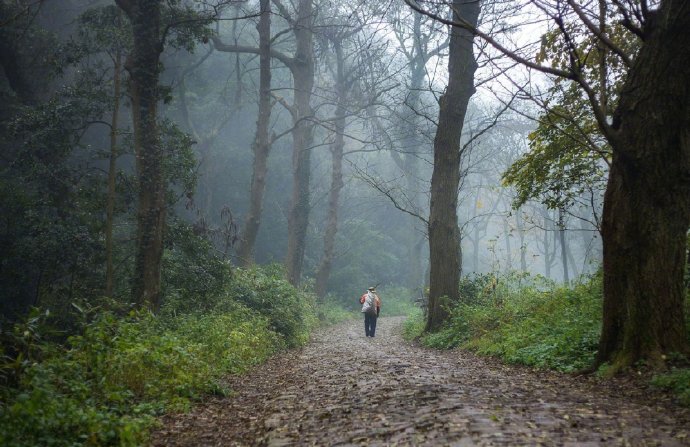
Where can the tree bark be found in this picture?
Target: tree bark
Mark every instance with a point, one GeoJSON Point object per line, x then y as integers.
{"type": "Point", "coordinates": [262, 142]}
{"type": "Point", "coordinates": [143, 68]}
{"type": "Point", "coordinates": [523, 244]}
{"type": "Point", "coordinates": [564, 245]}
{"type": "Point", "coordinates": [302, 137]}
{"type": "Point", "coordinates": [647, 201]}
{"type": "Point", "coordinates": [443, 217]}
{"type": "Point", "coordinates": [509, 252]}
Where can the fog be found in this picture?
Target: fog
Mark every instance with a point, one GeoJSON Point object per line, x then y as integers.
{"type": "Point", "coordinates": [394, 62]}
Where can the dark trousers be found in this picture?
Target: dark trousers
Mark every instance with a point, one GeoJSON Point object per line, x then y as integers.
{"type": "Point", "coordinates": [370, 325]}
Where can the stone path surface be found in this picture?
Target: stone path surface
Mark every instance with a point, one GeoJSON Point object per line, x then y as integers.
{"type": "Point", "coordinates": [348, 390]}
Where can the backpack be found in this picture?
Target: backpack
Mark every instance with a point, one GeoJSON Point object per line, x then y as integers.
{"type": "Point", "coordinates": [369, 306]}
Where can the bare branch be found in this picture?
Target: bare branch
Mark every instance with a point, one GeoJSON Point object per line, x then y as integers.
{"type": "Point", "coordinates": [387, 192]}
{"type": "Point", "coordinates": [220, 46]}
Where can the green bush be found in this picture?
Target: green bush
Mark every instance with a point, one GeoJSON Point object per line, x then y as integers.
{"type": "Point", "coordinates": [413, 327]}
{"type": "Point", "coordinates": [290, 312]}
{"type": "Point", "coordinates": [106, 385]}
{"type": "Point", "coordinates": [525, 320]}
{"type": "Point", "coordinates": [194, 277]}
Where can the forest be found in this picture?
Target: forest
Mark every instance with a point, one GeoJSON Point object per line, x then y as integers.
{"type": "Point", "coordinates": [195, 192]}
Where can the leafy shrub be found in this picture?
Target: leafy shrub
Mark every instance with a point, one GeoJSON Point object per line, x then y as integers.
{"type": "Point", "coordinates": [413, 327]}
{"type": "Point", "coordinates": [266, 292]}
{"type": "Point", "coordinates": [194, 277]}
{"type": "Point", "coordinates": [106, 385]}
{"type": "Point", "coordinates": [525, 320]}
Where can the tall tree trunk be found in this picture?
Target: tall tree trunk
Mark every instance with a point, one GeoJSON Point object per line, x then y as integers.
{"type": "Point", "coordinates": [302, 137]}
{"type": "Point", "coordinates": [262, 142]}
{"type": "Point", "coordinates": [509, 252]}
{"type": "Point", "coordinates": [324, 270]}
{"type": "Point", "coordinates": [547, 249]}
{"type": "Point", "coordinates": [475, 248]}
{"type": "Point", "coordinates": [523, 244]}
{"type": "Point", "coordinates": [564, 245]}
{"type": "Point", "coordinates": [143, 68]}
{"type": "Point", "coordinates": [647, 201]}
{"type": "Point", "coordinates": [112, 171]}
{"type": "Point", "coordinates": [443, 216]}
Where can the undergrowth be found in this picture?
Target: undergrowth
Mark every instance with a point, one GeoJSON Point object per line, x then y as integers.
{"type": "Point", "coordinates": [524, 320]}
{"type": "Point", "coordinates": [531, 321]}
{"type": "Point", "coordinates": [107, 384]}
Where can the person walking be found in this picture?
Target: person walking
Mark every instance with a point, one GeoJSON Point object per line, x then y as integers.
{"type": "Point", "coordinates": [371, 307]}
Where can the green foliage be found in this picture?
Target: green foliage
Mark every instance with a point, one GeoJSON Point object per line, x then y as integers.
{"type": "Point", "coordinates": [194, 277]}
{"type": "Point", "coordinates": [567, 150]}
{"type": "Point", "coordinates": [266, 292]}
{"type": "Point", "coordinates": [676, 381]}
{"type": "Point", "coordinates": [106, 385]}
{"type": "Point", "coordinates": [413, 328]}
{"type": "Point", "coordinates": [180, 162]}
{"type": "Point", "coordinates": [526, 320]}
{"type": "Point", "coordinates": [103, 29]}
{"type": "Point", "coordinates": [50, 240]}
{"type": "Point", "coordinates": [186, 24]}
{"type": "Point", "coordinates": [562, 163]}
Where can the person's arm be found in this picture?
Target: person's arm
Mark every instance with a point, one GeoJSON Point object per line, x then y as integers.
{"type": "Point", "coordinates": [362, 298]}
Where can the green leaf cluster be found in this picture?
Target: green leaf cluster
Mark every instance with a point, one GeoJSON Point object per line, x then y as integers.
{"type": "Point", "coordinates": [568, 152]}
{"type": "Point", "coordinates": [566, 157]}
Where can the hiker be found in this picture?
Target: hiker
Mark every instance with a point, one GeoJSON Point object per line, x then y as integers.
{"type": "Point", "coordinates": [371, 307]}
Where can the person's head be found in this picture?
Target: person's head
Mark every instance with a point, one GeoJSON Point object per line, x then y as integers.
{"type": "Point", "coordinates": [372, 289]}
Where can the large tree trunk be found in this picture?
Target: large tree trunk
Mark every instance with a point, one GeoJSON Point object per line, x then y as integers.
{"type": "Point", "coordinates": [262, 142]}
{"type": "Point", "coordinates": [443, 217]}
{"type": "Point", "coordinates": [302, 137]}
{"type": "Point", "coordinates": [324, 270]}
{"type": "Point", "coordinates": [647, 200]}
{"type": "Point", "coordinates": [143, 67]}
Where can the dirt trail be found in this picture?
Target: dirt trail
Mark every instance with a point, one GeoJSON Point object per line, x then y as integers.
{"type": "Point", "coordinates": [346, 389]}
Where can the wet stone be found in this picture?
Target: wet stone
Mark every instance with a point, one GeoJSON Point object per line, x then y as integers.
{"type": "Point", "coordinates": [348, 390]}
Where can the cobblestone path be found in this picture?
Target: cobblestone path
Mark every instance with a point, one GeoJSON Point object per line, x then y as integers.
{"type": "Point", "coordinates": [345, 389]}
